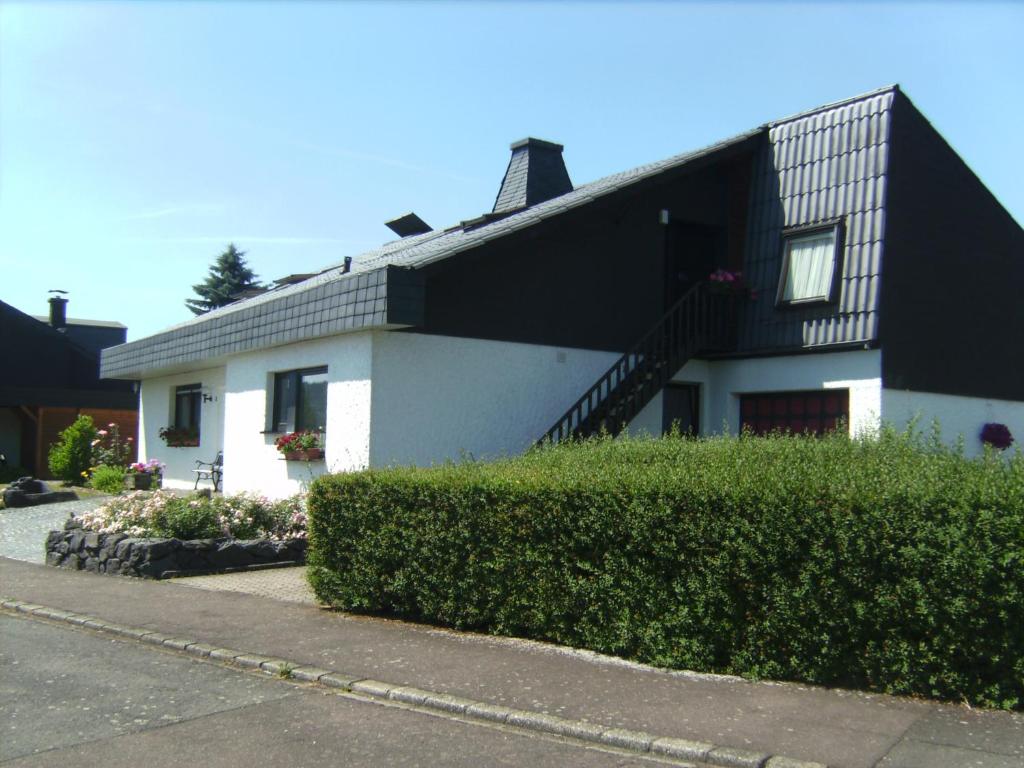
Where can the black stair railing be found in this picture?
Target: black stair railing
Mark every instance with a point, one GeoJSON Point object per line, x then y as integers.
{"type": "Point", "coordinates": [703, 320]}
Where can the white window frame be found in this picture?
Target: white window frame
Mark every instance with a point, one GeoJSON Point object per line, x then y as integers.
{"type": "Point", "coordinates": [803, 234]}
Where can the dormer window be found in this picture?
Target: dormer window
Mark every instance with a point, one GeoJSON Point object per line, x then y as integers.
{"type": "Point", "coordinates": [809, 266]}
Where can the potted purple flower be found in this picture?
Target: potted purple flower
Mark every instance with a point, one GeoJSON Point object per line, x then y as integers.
{"type": "Point", "coordinates": [996, 435]}
{"type": "Point", "coordinates": [144, 475]}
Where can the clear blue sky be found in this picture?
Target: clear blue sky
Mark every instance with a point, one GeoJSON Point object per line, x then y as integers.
{"type": "Point", "coordinates": [138, 139]}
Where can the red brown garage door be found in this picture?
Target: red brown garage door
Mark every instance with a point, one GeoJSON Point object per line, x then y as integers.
{"type": "Point", "coordinates": [816, 412]}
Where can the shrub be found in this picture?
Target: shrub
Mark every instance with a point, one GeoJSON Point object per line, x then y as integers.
{"type": "Point", "coordinates": [71, 457]}
{"type": "Point", "coordinates": [884, 564]}
{"type": "Point", "coordinates": [108, 479]}
{"type": "Point", "coordinates": [188, 519]}
{"type": "Point", "coordinates": [110, 448]}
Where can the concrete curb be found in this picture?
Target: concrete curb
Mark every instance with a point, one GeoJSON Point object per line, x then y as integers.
{"type": "Point", "coordinates": [620, 738]}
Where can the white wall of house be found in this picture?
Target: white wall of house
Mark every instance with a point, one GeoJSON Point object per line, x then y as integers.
{"type": "Point", "coordinates": [251, 461]}
{"type": "Point", "coordinates": [440, 397]}
{"type": "Point", "coordinates": [956, 415]}
{"type": "Point", "coordinates": [156, 411]}
{"type": "Point", "coordinates": [723, 381]}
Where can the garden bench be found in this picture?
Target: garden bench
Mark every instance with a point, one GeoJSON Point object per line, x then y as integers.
{"type": "Point", "coordinates": [210, 470]}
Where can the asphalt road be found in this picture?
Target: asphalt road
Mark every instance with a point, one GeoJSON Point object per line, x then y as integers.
{"type": "Point", "coordinates": [71, 697]}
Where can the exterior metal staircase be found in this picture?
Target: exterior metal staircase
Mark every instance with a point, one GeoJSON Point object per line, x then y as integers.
{"type": "Point", "coordinates": [703, 320]}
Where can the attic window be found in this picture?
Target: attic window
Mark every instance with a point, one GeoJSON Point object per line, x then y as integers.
{"type": "Point", "coordinates": [809, 266]}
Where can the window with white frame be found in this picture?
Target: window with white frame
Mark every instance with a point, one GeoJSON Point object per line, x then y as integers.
{"type": "Point", "coordinates": [300, 400]}
{"type": "Point", "coordinates": [808, 266]}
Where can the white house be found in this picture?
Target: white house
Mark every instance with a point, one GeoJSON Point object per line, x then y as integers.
{"type": "Point", "coordinates": [880, 281]}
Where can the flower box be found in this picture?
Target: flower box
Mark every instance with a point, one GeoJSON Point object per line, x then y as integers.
{"type": "Point", "coordinates": [300, 446]}
{"type": "Point", "coordinates": [179, 437]}
{"type": "Point", "coordinates": [141, 481]}
{"type": "Point", "coordinates": [310, 454]}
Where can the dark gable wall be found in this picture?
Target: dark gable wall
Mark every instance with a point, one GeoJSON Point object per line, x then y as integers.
{"type": "Point", "coordinates": [952, 300]}
{"type": "Point", "coordinates": [590, 278]}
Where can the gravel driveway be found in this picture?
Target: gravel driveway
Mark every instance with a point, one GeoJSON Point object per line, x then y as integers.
{"type": "Point", "coordinates": [23, 530]}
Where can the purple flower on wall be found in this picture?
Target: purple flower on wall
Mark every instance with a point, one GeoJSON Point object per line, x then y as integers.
{"type": "Point", "coordinates": [996, 435]}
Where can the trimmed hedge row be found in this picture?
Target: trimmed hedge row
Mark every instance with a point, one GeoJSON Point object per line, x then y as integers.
{"type": "Point", "coordinates": [885, 564]}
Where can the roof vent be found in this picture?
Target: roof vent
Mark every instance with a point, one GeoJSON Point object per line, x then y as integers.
{"type": "Point", "coordinates": [535, 173]}
{"type": "Point", "coordinates": [408, 225]}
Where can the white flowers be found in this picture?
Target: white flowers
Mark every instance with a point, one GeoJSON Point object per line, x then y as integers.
{"type": "Point", "coordinates": [162, 513]}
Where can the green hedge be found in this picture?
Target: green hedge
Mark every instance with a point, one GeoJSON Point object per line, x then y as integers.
{"type": "Point", "coordinates": [882, 564]}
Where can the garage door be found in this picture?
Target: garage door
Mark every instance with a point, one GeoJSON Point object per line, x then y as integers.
{"type": "Point", "coordinates": [816, 412]}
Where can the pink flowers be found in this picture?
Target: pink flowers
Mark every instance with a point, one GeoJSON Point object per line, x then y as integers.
{"type": "Point", "coordinates": [151, 467]}
{"type": "Point", "coordinates": [725, 276]}
{"type": "Point", "coordinates": [299, 441]}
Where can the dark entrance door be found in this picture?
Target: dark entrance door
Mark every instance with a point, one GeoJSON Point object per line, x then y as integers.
{"type": "Point", "coordinates": [681, 407]}
{"type": "Point", "coordinates": [692, 252]}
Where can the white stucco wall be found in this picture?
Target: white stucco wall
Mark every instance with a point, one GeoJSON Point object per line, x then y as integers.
{"type": "Point", "coordinates": [439, 397]}
{"type": "Point", "coordinates": [723, 381]}
{"type": "Point", "coordinates": [251, 461]}
{"type": "Point", "coordinates": [156, 399]}
{"type": "Point", "coordinates": [956, 415]}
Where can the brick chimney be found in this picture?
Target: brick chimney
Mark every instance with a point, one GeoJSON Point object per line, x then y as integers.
{"type": "Point", "coordinates": [58, 311]}
{"type": "Point", "coordinates": [535, 173]}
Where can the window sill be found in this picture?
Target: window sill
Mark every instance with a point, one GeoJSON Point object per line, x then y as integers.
{"type": "Point", "coordinates": [289, 431]}
{"type": "Point", "coordinates": [805, 303]}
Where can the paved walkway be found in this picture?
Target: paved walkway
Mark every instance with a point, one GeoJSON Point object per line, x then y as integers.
{"type": "Point", "coordinates": [23, 536]}
{"type": "Point", "coordinates": [23, 529]}
{"type": "Point", "coordinates": [288, 584]}
{"type": "Point", "coordinates": [841, 728]}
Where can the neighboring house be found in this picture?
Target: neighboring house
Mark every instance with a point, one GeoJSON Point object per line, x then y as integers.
{"type": "Point", "coordinates": [887, 284]}
{"type": "Point", "coordinates": [50, 376]}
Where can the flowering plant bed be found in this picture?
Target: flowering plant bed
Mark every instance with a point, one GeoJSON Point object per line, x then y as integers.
{"type": "Point", "coordinates": [157, 534]}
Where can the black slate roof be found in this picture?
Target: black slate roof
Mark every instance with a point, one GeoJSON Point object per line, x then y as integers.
{"type": "Point", "coordinates": [841, 169]}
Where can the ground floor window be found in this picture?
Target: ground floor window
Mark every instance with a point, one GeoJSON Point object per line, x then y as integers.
{"type": "Point", "coordinates": [300, 400]}
{"type": "Point", "coordinates": [188, 400]}
{"type": "Point", "coordinates": [816, 412]}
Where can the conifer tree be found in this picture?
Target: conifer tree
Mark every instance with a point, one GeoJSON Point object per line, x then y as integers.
{"type": "Point", "coordinates": [229, 276]}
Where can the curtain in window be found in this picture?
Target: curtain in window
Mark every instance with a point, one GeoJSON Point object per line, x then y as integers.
{"type": "Point", "coordinates": [809, 267]}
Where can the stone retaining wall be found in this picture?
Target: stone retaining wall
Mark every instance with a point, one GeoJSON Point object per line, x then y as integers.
{"type": "Point", "coordinates": [116, 553]}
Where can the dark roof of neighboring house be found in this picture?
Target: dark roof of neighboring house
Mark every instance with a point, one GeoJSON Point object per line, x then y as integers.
{"type": "Point", "coordinates": [45, 367]}
{"type": "Point", "coordinates": [79, 321]}
{"type": "Point", "coordinates": [361, 296]}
